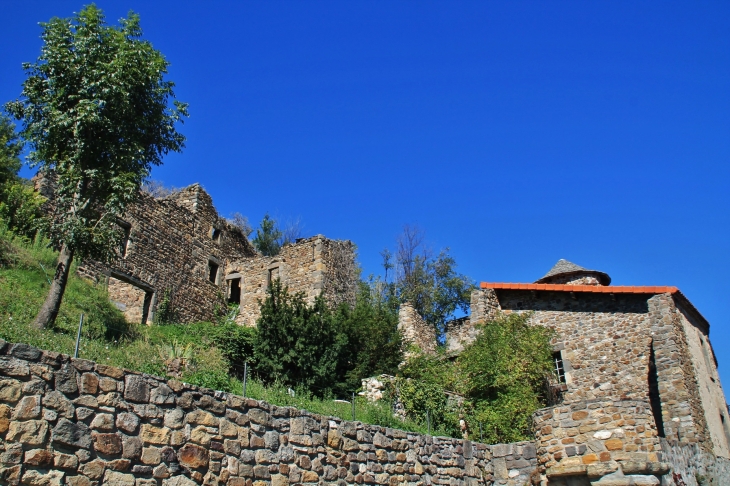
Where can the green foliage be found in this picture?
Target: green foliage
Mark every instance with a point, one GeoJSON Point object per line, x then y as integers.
{"type": "Point", "coordinates": [95, 111]}
{"type": "Point", "coordinates": [165, 313]}
{"type": "Point", "coordinates": [435, 290]}
{"type": "Point", "coordinates": [430, 284]}
{"type": "Point", "coordinates": [500, 375]}
{"type": "Point", "coordinates": [10, 148]}
{"type": "Point", "coordinates": [267, 237]}
{"type": "Point", "coordinates": [325, 351]}
{"type": "Point", "coordinates": [236, 343]}
{"type": "Point", "coordinates": [297, 344]}
{"type": "Point", "coordinates": [503, 373]}
{"type": "Point", "coordinates": [374, 342]}
{"type": "Point", "coordinates": [19, 204]}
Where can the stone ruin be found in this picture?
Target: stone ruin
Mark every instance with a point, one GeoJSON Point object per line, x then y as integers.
{"type": "Point", "coordinates": [639, 399]}
{"type": "Point", "coordinates": [179, 254]}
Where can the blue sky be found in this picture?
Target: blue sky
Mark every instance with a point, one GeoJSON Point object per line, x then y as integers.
{"type": "Point", "coordinates": [515, 133]}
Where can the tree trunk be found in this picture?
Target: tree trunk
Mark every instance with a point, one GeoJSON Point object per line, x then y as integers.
{"type": "Point", "coordinates": [47, 315]}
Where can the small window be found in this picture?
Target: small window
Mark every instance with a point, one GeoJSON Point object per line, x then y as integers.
{"type": "Point", "coordinates": [124, 243]}
{"type": "Point", "coordinates": [215, 234]}
{"type": "Point", "coordinates": [559, 367]}
{"type": "Point", "coordinates": [212, 271]}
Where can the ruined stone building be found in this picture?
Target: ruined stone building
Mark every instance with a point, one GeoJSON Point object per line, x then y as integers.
{"type": "Point", "coordinates": [640, 390]}
{"type": "Point", "coordinates": [180, 254]}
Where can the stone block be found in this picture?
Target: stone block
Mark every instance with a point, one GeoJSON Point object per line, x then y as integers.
{"type": "Point", "coordinates": [29, 433]}
{"type": "Point", "coordinates": [136, 389]}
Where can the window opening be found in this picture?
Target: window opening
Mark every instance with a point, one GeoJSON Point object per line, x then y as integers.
{"type": "Point", "coordinates": [126, 231]}
{"type": "Point", "coordinates": [212, 271]}
{"type": "Point", "coordinates": [273, 275]}
{"type": "Point", "coordinates": [234, 292]}
{"type": "Point", "coordinates": [559, 367]}
{"type": "Point", "coordinates": [654, 399]}
{"type": "Point", "coordinates": [215, 234]}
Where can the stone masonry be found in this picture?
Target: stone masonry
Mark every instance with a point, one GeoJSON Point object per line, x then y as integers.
{"type": "Point", "coordinates": [312, 266]}
{"type": "Point", "coordinates": [178, 250]}
{"type": "Point", "coordinates": [639, 377]}
{"type": "Point", "coordinates": [79, 423]}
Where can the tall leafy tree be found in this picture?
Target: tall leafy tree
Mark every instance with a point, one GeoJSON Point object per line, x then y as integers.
{"type": "Point", "coordinates": [503, 374]}
{"type": "Point", "coordinates": [98, 113]}
{"type": "Point", "coordinates": [297, 344]}
{"type": "Point", "coordinates": [429, 283]}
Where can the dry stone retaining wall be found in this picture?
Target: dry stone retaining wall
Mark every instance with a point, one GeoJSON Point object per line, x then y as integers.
{"type": "Point", "coordinates": [72, 421]}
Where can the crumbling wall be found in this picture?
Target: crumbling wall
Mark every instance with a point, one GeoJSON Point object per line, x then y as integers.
{"type": "Point", "coordinates": [72, 421]}
{"type": "Point", "coordinates": [312, 266]}
{"type": "Point", "coordinates": [416, 331]}
{"type": "Point", "coordinates": [172, 242]}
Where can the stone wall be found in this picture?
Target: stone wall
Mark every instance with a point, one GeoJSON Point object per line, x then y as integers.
{"type": "Point", "coordinates": [72, 421]}
{"type": "Point", "coordinates": [415, 330]}
{"type": "Point", "coordinates": [693, 466]}
{"type": "Point", "coordinates": [609, 346]}
{"type": "Point", "coordinates": [597, 437]}
{"type": "Point", "coordinates": [171, 245]}
{"type": "Point", "coordinates": [311, 265]}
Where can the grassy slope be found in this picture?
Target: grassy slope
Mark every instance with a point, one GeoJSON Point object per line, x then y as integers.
{"type": "Point", "coordinates": [107, 338]}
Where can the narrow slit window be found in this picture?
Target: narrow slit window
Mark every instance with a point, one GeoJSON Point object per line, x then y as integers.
{"type": "Point", "coordinates": [212, 271]}
{"type": "Point", "coordinates": [559, 367]}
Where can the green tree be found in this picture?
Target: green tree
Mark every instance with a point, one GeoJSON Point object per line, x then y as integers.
{"type": "Point", "coordinates": [503, 374]}
{"type": "Point", "coordinates": [323, 350]}
{"type": "Point", "coordinates": [430, 284]}
{"type": "Point", "coordinates": [374, 342]}
{"type": "Point", "coordinates": [96, 112]}
{"type": "Point", "coordinates": [296, 344]}
{"type": "Point", "coordinates": [267, 237]}
{"type": "Point", "coordinates": [19, 204]}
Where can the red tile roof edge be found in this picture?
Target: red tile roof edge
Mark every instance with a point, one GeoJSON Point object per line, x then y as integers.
{"type": "Point", "coordinates": [616, 289]}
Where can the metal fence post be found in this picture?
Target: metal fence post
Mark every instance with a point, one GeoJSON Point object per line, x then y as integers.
{"type": "Point", "coordinates": [78, 336]}
{"type": "Point", "coordinates": [245, 377]}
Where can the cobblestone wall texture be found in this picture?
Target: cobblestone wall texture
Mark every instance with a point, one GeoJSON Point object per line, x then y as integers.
{"type": "Point", "coordinates": [311, 265]}
{"type": "Point", "coordinates": [75, 422]}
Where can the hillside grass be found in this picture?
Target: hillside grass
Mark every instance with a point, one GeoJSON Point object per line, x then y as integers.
{"type": "Point", "coordinates": [25, 270]}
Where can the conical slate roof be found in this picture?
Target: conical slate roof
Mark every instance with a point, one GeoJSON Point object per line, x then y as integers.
{"type": "Point", "coordinates": [564, 268]}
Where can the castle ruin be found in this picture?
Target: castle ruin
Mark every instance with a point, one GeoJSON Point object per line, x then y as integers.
{"type": "Point", "coordinates": [180, 254]}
